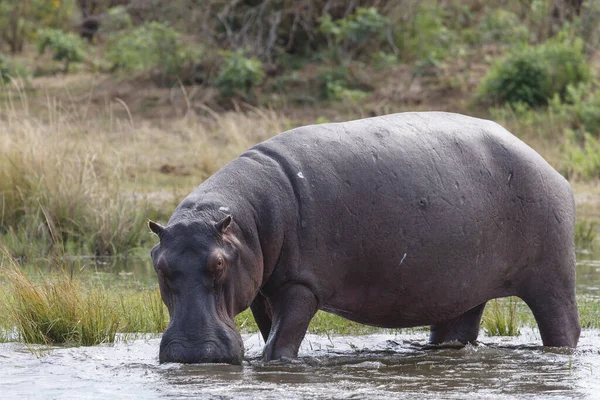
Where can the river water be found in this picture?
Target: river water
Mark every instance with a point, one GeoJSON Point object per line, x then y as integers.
{"type": "Point", "coordinates": [394, 365]}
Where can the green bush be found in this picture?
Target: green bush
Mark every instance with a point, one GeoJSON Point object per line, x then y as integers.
{"type": "Point", "coordinates": [67, 47]}
{"type": "Point", "coordinates": [238, 74]}
{"type": "Point", "coordinates": [155, 48]}
{"type": "Point", "coordinates": [118, 19]}
{"type": "Point", "coordinates": [20, 19]}
{"type": "Point", "coordinates": [502, 26]}
{"type": "Point", "coordinates": [424, 36]}
{"type": "Point", "coordinates": [336, 84]}
{"type": "Point", "coordinates": [351, 32]}
{"type": "Point", "coordinates": [10, 69]}
{"type": "Point", "coordinates": [580, 107]}
{"type": "Point", "coordinates": [582, 156]}
{"type": "Point", "coordinates": [533, 74]}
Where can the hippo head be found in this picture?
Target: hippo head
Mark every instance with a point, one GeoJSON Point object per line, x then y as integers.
{"type": "Point", "coordinates": [206, 276]}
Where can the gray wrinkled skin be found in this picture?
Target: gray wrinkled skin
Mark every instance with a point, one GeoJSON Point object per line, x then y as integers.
{"type": "Point", "coordinates": [395, 221]}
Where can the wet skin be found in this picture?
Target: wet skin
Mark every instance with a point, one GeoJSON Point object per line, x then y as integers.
{"type": "Point", "coordinates": [397, 221]}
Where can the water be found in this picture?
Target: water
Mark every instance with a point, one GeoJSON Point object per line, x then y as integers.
{"type": "Point", "coordinates": [373, 366]}
{"type": "Point", "coordinates": [346, 367]}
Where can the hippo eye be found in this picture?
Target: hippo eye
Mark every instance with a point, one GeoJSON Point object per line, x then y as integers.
{"type": "Point", "coordinates": [220, 262]}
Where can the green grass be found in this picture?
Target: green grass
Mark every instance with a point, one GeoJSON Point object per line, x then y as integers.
{"type": "Point", "coordinates": [589, 311]}
{"type": "Point", "coordinates": [585, 234]}
{"type": "Point", "coordinates": [501, 318]}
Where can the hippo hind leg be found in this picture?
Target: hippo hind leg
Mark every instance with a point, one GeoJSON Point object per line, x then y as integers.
{"type": "Point", "coordinates": [553, 304]}
{"type": "Point", "coordinates": [463, 328]}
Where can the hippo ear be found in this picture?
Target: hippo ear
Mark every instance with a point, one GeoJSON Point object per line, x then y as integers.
{"type": "Point", "coordinates": [156, 228]}
{"type": "Point", "coordinates": [223, 224]}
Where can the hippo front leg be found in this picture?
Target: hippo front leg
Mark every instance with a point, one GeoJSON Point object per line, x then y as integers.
{"type": "Point", "coordinates": [262, 315]}
{"type": "Point", "coordinates": [293, 307]}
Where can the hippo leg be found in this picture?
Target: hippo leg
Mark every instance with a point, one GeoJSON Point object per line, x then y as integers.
{"type": "Point", "coordinates": [293, 307]}
{"type": "Point", "coordinates": [554, 307]}
{"type": "Point", "coordinates": [262, 315]}
{"type": "Point", "coordinates": [463, 328]}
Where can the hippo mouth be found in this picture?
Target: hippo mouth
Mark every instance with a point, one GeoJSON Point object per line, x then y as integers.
{"type": "Point", "coordinates": [205, 352]}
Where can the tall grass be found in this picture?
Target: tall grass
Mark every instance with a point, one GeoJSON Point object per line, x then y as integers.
{"type": "Point", "coordinates": [87, 184]}
{"type": "Point", "coordinates": [586, 233]}
{"type": "Point", "coordinates": [501, 318]}
{"type": "Point", "coordinates": [63, 308]}
{"type": "Point", "coordinates": [60, 310]}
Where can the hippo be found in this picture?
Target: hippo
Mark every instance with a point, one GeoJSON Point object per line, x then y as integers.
{"type": "Point", "coordinates": [394, 221]}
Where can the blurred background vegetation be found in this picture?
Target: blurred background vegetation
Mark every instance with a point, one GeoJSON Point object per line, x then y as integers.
{"type": "Point", "coordinates": [112, 110]}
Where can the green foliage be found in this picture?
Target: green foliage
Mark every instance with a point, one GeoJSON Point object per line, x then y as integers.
{"type": "Point", "coordinates": [585, 233]}
{"type": "Point", "coordinates": [336, 85]}
{"type": "Point", "coordinates": [238, 74]}
{"type": "Point", "coordinates": [533, 74]}
{"type": "Point", "coordinates": [155, 48]}
{"type": "Point", "coordinates": [118, 19]}
{"type": "Point", "coordinates": [9, 68]}
{"type": "Point", "coordinates": [351, 32]}
{"type": "Point", "coordinates": [580, 107]}
{"type": "Point", "coordinates": [589, 311]}
{"type": "Point", "coordinates": [67, 47]}
{"type": "Point", "coordinates": [19, 20]}
{"type": "Point", "coordinates": [582, 156]}
{"type": "Point", "coordinates": [502, 26]}
{"type": "Point", "coordinates": [424, 36]}
{"type": "Point", "coordinates": [336, 90]}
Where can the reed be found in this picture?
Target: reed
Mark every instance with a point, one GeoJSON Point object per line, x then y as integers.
{"type": "Point", "coordinates": [501, 317]}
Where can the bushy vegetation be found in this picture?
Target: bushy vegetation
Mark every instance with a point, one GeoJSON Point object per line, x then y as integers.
{"type": "Point", "coordinates": [534, 74]}
{"type": "Point", "coordinates": [155, 48]}
{"type": "Point", "coordinates": [504, 27]}
{"type": "Point", "coordinates": [10, 69]}
{"type": "Point", "coordinates": [67, 47]}
{"type": "Point", "coordinates": [61, 308]}
{"type": "Point", "coordinates": [238, 74]}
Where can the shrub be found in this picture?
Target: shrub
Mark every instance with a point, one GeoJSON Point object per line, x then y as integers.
{"type": "Point", "coordinates": [238, 74]}
{"type": "Point", "coordinates": [423, 36]}
{"type": "Point", "coordinates": [19, 20]}
{"type": "Point", "coordinates": [336, 84]}
{"type": "Point", "coordinates": [67, 47]}
{"type": "Point", "coordinates": [154, 47]}
{"type": "Point", "coordinates": [582, 156]}
{"type": "Point", "coordinates": [351, 32]}
{"type": "Point", "coordinates": [533, 74]}
{"type": "Point", "coordinates": [502, 26]}
{"type": "Point", "coordinates": [118, 19]}
{"type": "Point", "coordinates": [10, 69]}
{"type": "Point", "coordinates": [580, 107]}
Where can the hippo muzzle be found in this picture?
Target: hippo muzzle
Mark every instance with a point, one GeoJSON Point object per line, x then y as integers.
{"type": "Point", "coordinates": [225, 348]}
